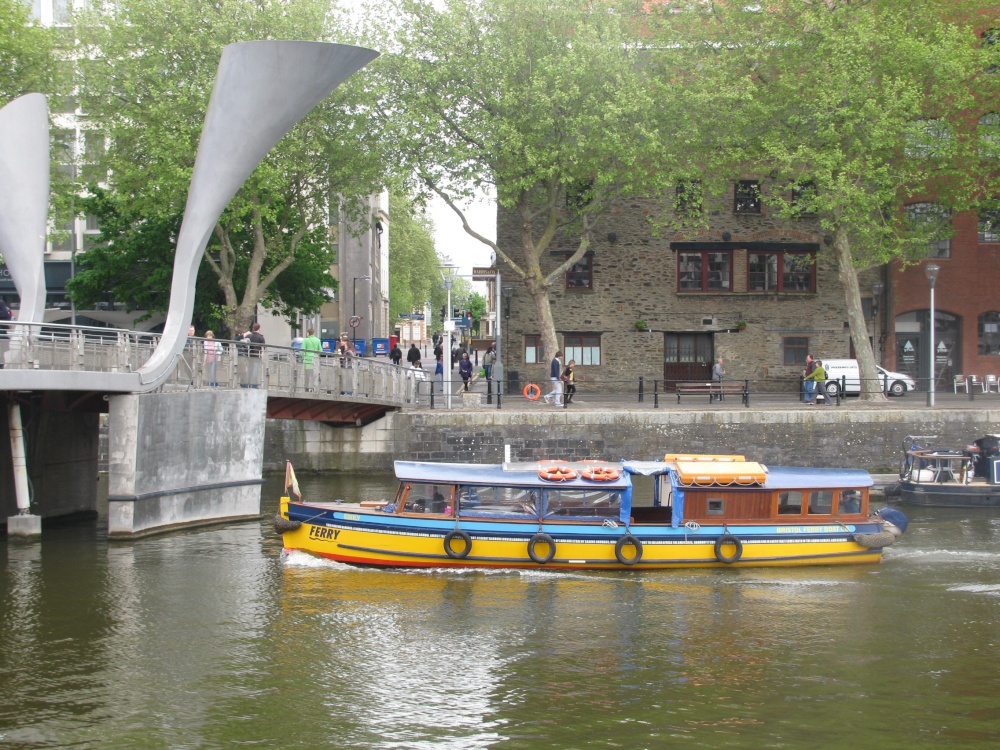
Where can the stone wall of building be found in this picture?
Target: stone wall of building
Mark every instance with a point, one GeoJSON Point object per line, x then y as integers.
{"type": "Point", "coordinates": [635, 277]}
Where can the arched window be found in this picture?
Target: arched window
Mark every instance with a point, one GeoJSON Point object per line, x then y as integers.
{"type": "Point", "coordinates": [989, 333]}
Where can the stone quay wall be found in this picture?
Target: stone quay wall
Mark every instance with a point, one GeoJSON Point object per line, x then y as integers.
{"type": "Point", "coordinates": [866, 438]}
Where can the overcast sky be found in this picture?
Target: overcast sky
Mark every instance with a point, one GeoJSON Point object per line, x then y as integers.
{"type": "Point", "coordinates": [450, 238]}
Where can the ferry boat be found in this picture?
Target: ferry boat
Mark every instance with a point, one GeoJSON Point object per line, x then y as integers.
{"type": "Point", "coordinates": [696, 511]}
{"type": "Point", "coordinates": [947, 477]}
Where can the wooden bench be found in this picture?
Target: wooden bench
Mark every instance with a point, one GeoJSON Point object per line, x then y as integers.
{"type": "Point", "coordinates": [721, 390]}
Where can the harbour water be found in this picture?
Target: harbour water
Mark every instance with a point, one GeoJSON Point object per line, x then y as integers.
{"type": "Point", "coordinates": [213, 638]}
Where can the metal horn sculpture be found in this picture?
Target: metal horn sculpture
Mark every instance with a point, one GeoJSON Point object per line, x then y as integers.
{"type": "Point", "coordinates": [261, 91]}
{"type": "Point", "coordinates": [24, 199]}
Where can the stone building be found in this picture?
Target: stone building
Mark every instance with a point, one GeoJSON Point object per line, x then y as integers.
{"type": "Point", "coordinates": [758, 290]}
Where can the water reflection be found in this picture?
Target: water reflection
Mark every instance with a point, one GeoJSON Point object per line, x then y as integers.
{"type": "Point", "coordinates": [213, 638]}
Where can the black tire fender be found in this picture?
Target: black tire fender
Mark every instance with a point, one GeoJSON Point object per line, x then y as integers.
{"type": "Point", "coordinates": [537, 539]}
{"type": "Point", "coordinates": [457, 534]}
{"type": "Point", "coordinates": [624, 541]}
{"type": "Point", "coordinates": [721, 542]}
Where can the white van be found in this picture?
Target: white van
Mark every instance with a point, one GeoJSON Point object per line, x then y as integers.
{"type": "Point", "coordinates": [893, 383]}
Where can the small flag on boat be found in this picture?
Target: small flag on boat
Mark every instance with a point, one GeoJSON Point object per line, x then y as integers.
{"type": "Point", "coordinates": [290, 480]}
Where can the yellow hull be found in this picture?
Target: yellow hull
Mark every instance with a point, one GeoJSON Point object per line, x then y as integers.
{"type": "Point", "coordinates": [422, 549]}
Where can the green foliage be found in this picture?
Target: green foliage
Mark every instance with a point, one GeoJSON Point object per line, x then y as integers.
{"type": "Point", "coordinates": [27, 54]}
{"type": "Point", "coordinates": [147, 77]}
{"type": "Point", "coordinates": [527, 98]}
{"type": "Point", "coordinates": [413, 263]}
{"type": "Point", "coordinates": [867, 103]}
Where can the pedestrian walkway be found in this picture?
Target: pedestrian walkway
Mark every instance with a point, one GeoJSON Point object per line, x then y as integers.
{"type": "Point", "coordinates": [585, 400]}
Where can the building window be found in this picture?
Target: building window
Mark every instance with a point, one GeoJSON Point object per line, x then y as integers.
{"type": "Point", "coordinates": [704, 272]}
{"type": "Point", "coordinates": [988, 133]}
{"type": "Point", "coordinates": [804, 199]}
{"type": "Point", "coordinates": [989, 225]}
{"type": "Point", "coordinates": [581, 275]}
{"type": "Point", "coordinates": [689, 198]}
{"type": "Point", "coordinates": [796, 348]}
{"type": "Point", "coordinates": [746, 197]}
{"type": "Point", "coordinates": [928, 138]}
{"type": "Point", "coordinates": [989, 333]}
{"type": "Point", "coordinates": [933, 221]}
{"type": "Point", "coordinates": [533, 352]}
{"type": "Point", "coordinates": [990, 37]}
{"type": "Point", "coordinates": [781, 271]}
{"type": "Point", "coordinates": [584, 349]}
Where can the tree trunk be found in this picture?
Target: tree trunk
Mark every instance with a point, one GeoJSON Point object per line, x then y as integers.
{"type": "Point", "coordinates": [871, 385]}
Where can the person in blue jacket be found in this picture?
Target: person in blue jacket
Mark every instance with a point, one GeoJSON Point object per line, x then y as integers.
{"type": "Point", "coordinates": [465, 369]}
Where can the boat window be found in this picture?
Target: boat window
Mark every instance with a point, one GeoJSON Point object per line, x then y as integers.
{"type": "Point", "coordinates": [479, 502]}
{"type": "Point", "coordinates": [790, 503]}
{"type": "Point", "coordinates": [427, 498]}
{"type": "Point", "coordinates": [820, 502]}
{"type": "Point", "coordinates": [850, 501]}
{"type": "Point", "coordinates": [583, 502]}
{"type": "Point", "coordinates": [715, 506]}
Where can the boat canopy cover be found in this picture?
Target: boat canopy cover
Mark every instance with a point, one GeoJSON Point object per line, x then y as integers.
{"type": "Point", "coordinates": [796, 478]}
{"type": "Point", "coordinates": [521, 475]}
{"type": "Point", "coordinates": [721, 472]}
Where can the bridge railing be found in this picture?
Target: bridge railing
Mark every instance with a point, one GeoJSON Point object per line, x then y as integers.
{"type": "Point", "coordinates": [56, 346]}
{"type": "Point", "coordinates": [208, 363]}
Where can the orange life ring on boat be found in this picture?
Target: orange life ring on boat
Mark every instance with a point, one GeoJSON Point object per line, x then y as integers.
{"type": "Point", "coordinates": [532, 392]}
{"type": "Point", "coordinates": [557, 473]}
{"type": "Point", "coordinates": [601, 474]}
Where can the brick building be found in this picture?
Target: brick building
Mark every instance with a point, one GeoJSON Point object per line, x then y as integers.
{"type": "Point", "coordinates": [758, 290]}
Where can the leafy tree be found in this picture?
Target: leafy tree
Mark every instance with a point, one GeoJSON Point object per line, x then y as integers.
{"type": "Point", "coordinates": [414, 280]}
{"type": "Point", "coordinates": [27, 54]}
{"type": "Point", "coordinates": [132, 264]}
{"type": "Point", "coordinates": [865, 104]}
{"type": "Point", "coordinates": [543, 102]}
{"type": "Point", "coordinates": [147, 73]}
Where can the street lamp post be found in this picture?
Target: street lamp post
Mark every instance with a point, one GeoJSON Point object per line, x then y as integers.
{"type": "Point", "coordinates": [877, 289]}
{"type": "Point", "coordinates": [931, 270]}
{"type": "Point", "coordinates": [448, 274]}
{"type": "Point", "coordinates": [354, 311]}
{"type": "Point", "coordinates": [508, 292]}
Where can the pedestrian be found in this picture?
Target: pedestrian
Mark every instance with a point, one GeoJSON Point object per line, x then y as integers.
{"type": "Point", "coordinates": [818, 379]}
{"type": "Point", "coordinates": [718, 373]}
{"type": "Point", "coordinates": [809, 383]}
{"type": "Point", "coordinates": [213, 351]}
{"type": "Point", "coordinates": [5, 315]}
{"type": "Point", "coordinates": [465, 370]}
{"type": "Point", "coordinates": [254, 341]}
{"type": "Point", "coordinates": [396, 355]}
{"type": "Point", "coordinates": [569, 380]}
{"type": "Point", "coordinates": [311, 347]}
{"type": "Point", "coordinates": [555, 371]}
{"type": "Point", "coordinates": [489, 359]}
{"type": "Point", "coordinates": [413, 355]}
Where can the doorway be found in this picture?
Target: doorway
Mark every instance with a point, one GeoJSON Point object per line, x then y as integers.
{"type": "Point", "coordinates": [687, 356]}
{"type": "Point", "coordinates": [913, 339]}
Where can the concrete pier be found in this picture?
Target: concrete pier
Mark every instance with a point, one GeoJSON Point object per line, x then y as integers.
{"type": "Point", "coordinates": [183, 459]}
{"type": "Point", "coordinates": [61, 461]}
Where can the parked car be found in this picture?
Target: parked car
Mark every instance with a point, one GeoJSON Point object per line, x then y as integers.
{"type": "Point", "coordinates": [846, 372]}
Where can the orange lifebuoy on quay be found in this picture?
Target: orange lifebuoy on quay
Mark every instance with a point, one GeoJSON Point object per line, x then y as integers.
{"type": "Point", "coordinates": [532, 392]}
{"type": "Point", "coordinates": [557, 474]}
{"type": "Point", "coordinates": [601, 474]}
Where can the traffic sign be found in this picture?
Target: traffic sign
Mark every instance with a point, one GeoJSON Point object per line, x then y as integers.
{"type": "Point", "coordinates": [355, 321]}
